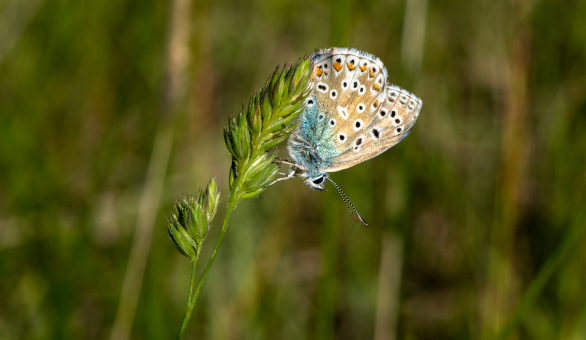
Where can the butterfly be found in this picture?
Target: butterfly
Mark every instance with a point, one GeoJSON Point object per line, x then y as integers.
{"type": "Point", "coordinates": [351, 115]}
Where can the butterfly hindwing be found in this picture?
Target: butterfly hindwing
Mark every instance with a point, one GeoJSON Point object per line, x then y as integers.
{"type": "Point", "coordinates": [391, 123]}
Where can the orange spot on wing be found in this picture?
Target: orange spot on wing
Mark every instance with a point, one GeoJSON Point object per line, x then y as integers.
{"type": "Point", "coordinates": [376, 102]}
{"type": "Point", "coordinates": [371, 74]}
{"type": "Point", "coordinates": [326, 73]}
{"type": "Point", "coordinates": [337, 66]}
{"type": "Point", "coordinates": [351, 65]}
{"type": "Point", "coordinates": [376, 87]}
{"type": "Point", "coordinates": [319, 71]}
{"type": "Point", "coordinates": [363, 68]}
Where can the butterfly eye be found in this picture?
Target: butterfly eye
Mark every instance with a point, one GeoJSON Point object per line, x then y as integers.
{"type": "Point", "coordinates": [318, 181]}
{"type": "Point", "coordinates": [341, 137]}
{"type": "Point", "coordinates": [360, 108]}
{"type": "Point", "coordinates": [357, 124]}
{"type": "Point", "coordinates": [332, 122]}
{"type": "Point", "coordinates": [333, 94]}
{"type": "Point", "coordinates": [361, 90]}
{"type": "Point", "coordinates": [393, 113]}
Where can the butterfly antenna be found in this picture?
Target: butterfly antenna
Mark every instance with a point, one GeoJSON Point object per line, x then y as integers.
{"type": "Point", "coordinates": [348, 203]}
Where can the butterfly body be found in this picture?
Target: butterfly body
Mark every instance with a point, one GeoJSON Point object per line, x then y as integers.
{"type": "Point", "coordinates": [351, 115]}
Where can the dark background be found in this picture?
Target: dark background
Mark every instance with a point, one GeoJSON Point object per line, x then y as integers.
{"type": "Point", "coordinates": [465, 213]}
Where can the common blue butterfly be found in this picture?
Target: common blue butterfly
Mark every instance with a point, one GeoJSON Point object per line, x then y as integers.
{"type": "Point", "coordinates": [351, 115]}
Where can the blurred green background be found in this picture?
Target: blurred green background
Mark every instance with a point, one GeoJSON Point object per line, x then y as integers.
{"type": "Point", "coordinates": [110, 110]}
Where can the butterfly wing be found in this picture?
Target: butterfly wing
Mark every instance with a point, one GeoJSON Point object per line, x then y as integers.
{"type": "Point", "coordinates": [387, 126]}
{"type": "Point", "coordinates": [356, 115]}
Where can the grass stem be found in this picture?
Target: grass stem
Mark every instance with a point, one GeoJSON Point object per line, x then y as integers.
{"type": "Point", "coordinates": [232, 202]}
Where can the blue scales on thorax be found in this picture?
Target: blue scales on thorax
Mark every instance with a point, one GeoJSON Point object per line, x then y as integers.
{"type": "Point", "coordinates": [318, 147]}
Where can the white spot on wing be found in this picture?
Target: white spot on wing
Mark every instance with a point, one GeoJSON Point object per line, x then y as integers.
{"type": "Point", "coordinates": [343, 111]}
{"type": "Point", "coordinates": [375, 133]}
{"type": "Point", "coordinates": [397, 121]}
{"type": "Point", "coordinates": [333, 94]}
{"type": "Point", "coordinates": [403, 99]}
{"type": "Point", "coordinates": [412, 104]}
{"type": "Point", "coordinates": [358, 142]}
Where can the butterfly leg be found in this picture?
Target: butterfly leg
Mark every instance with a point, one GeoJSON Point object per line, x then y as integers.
{"type": "Point", "coordinates": [291, 174]}
{"type": "Point", "coordinates": [279, 180]}
{"type": "Point", "coordinates": [285, 161]}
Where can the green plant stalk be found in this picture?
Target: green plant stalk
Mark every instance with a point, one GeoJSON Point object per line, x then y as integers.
{"type": "Point", "coordinates": [554, 262]}
{"type": "Point", "coordinates": [191, 300]}
{"type": "Point", "coordinates": [232, 201]}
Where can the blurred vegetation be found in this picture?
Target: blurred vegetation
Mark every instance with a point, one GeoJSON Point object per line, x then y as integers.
{"type": "Point", "coordinates": [477, 212]}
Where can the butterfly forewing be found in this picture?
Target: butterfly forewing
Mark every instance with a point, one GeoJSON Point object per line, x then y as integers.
{"type": "Point", "coordinates": [349, 87]}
